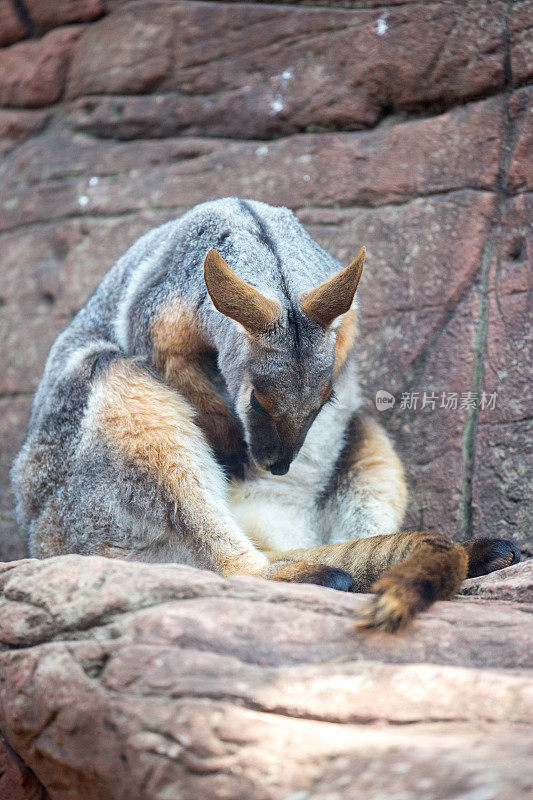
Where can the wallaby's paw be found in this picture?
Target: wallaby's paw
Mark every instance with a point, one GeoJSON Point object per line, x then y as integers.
{"type": "Point", "coordinates": [385, 613]}
{"type": "Point", "coordinates": [489, 555]}
{"type": "Point", "coordinates": [304, 572]}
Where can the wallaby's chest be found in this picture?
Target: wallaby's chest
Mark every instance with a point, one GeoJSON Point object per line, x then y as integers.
{"type": "Point", "coordinates": [281, 512]}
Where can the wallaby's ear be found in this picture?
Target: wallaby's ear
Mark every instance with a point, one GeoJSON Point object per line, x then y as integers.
{"type": "Point", "coordinates": [335, 296]}
{"type": "Point", "coordinates": [235, 298]}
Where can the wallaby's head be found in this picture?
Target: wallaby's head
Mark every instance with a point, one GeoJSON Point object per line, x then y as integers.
{"type": "Point", "coordinates": [292, 355]}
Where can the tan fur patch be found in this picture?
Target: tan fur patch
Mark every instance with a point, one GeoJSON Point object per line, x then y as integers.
{"type": "Point", "coordinates": [149, 423]}
{"type": "Point", "coordinates": [346, 333]}
{"type": "Point", "coordinates": [378, 467]}
{"type": "Point", "coordinates": [176, 330]}
{"type": "Point", "coordinates": [180, 353]}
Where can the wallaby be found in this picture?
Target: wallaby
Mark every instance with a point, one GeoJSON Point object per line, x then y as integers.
{"type": "Point", "coordinates": [203, 407]}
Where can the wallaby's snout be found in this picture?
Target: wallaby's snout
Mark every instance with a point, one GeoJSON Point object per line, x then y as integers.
{"type": "Point", "coordinates": [280, 467]}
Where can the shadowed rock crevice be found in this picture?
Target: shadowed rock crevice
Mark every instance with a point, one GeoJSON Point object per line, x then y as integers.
{"type": "Point", "coordinates": [24, 16]}
{"type": "Point", "coordinates": [479, 352]}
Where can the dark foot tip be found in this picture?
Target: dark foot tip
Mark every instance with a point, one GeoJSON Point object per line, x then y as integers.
{"type": "Point", "coordinates": [330, 577]}
{"type": "Point", "coordinates": [319, 574]}
{"type": "Point", "coordinates": [516, 554]}
{"type": "Point", "coordinates": [489, 555]}
{"type": "Point", "coordinates": [338, 579]}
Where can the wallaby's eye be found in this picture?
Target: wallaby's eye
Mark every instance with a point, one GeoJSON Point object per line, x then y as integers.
{"type": "Point", "coordinates": [256, 405]}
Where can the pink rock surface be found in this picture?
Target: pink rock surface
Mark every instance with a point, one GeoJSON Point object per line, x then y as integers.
{"type": "Point", "coordinates": [12, 27]}
{"type": "Point", "coordinates": [514, 583]}
{"type": "Point", "coordinates": [33, 73]}
{"type": "Point", "coordinates": [127, 680]}
{"type": "Point", "coordinates": [47, 14]}
{"type": "Point", "coordinates": [254, 71]}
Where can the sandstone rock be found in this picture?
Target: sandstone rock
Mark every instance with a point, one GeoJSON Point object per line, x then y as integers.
{"type": "Point", "coordinates": [521, 44]}
{"type": "Point", "coordinates": [47, 14]}
{"type": "Point", "coordinates": [12, 27]}
{"type": "Point", "coordinates": [514, 583]}
{"type": "Point", "coordinates": [503, 474]}
{"type": "Point", "coordinates": [128, 680]}
{"type": "Point", "coordinates": [502, 482]}
{"type": "Point", "coordinates": [368, 169]}
{"type": "Point", "coordinates": [251, 71]}
{"type": "Point", "coordinates": [17, 782]}
{"type": "Point", "coordinates": [33, 73]}
{"type": "Point", "coordinates": [117, 54]}
{"type": "Point", "coordinates": [16, 126]}
{"type": "Point", "coordinates": [520, 173]}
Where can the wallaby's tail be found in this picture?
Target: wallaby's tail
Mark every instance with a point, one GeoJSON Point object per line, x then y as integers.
{"type": "Point", "coordinates": [433, 569]}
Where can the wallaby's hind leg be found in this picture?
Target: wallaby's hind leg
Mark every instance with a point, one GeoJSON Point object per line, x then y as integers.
{"type": "Point", "coordinates": [408, 571]}
{"type": "Point", "coordinates": [433, 570]}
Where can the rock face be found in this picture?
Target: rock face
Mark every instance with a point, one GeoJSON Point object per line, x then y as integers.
{"type": "Point", "coordinates": [136, 681]}
{"type": "Point", "coordinates": [404, 126]}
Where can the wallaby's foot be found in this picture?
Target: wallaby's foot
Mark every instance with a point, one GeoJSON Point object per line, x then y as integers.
{"type": "Point", "coordinates": [489, 555]}
{"type": "Point", "coordinates": [305, 572]}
